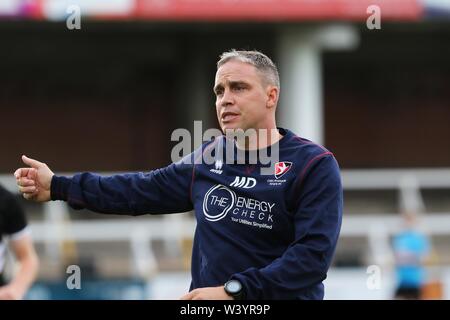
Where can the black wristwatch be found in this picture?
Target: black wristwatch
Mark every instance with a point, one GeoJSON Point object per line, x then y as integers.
{"type": "Point", "coordinates": [234, 289]}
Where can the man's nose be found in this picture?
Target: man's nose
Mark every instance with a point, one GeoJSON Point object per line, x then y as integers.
{"type": "Point", "coordinates": [227, 98]}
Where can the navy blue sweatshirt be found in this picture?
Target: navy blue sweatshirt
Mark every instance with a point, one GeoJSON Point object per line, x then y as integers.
{"type": "Point", "coordinates": [275, 233]}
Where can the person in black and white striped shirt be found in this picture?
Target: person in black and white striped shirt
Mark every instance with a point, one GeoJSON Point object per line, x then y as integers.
{"type": "Point", "coordinates": [13, 225]}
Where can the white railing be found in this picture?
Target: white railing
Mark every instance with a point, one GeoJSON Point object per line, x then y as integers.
{"type": "Point", "coordinates": [366, 179]}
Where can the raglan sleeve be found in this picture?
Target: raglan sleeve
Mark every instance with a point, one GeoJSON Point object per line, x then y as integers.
{"type": "Point", "coordinates": [165, 190]}
{"type": "Point", "coordinates": [317, 218]}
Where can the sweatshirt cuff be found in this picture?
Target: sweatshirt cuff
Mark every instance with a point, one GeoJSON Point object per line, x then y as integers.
{"type": "Point", "coordinates": [59, 188]}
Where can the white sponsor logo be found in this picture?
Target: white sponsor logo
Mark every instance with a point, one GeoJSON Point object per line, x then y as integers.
{"type": "Point", "coordinates": [223, 202]}
{"type": "Point", "coordinates": [243, 182]}
{"type": "Point", "coordinates": [218, 167]}
{"type": "Point", "coordinates": [220, 200]}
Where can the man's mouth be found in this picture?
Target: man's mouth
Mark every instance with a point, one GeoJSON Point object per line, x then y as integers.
{"type": "Point", "coordinates": [229, 116]}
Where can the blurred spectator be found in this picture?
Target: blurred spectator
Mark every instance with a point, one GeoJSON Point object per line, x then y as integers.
{"type": "Point", "coordinates": [411, 249]}
{"type": "Point", "coordinates": [14, 225]}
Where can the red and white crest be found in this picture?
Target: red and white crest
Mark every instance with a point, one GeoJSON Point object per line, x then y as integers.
{"type": "Point", "coordinates": [281, 168]}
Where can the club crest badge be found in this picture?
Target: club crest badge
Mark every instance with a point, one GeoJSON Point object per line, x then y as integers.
{"type": "Point", "coordinates": [281, 168]}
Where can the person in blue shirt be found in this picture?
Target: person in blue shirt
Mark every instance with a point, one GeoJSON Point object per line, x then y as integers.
{"type": "Point", "coordinates": [264, 231]}
{"type": "Point", "coordinates": [411, 249]}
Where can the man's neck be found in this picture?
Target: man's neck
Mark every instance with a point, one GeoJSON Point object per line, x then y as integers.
{"type": "Point", "coordinates": [258, 138]}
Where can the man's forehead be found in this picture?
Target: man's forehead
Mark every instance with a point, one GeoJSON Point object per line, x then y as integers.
{"type": "Point", "coordinates": [235, 71]}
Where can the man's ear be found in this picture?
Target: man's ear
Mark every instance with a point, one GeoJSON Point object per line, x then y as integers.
{"type": "Point", "coordinates": [272, 96]}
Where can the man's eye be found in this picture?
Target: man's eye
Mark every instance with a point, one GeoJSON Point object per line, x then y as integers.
{"type": "Point", "coordinates": [239, 88]}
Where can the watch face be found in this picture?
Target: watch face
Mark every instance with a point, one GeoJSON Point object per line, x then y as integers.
{"type": "Point", "coordinates": [234, 286]}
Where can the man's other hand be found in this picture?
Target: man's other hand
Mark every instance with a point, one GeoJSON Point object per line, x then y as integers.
{"type": "Point", "coordinates": [211, 293]}
{"type": "Point", "coordinates": [10, 292]}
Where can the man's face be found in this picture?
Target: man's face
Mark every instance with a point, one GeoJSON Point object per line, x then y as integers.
{"type": "Point", "coordinates": [241, 97]}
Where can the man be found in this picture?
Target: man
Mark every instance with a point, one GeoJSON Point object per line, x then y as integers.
{"type": "Point", "coordinates": [14, 225]}
{"type": "Point", "coordinates": [258, 236]}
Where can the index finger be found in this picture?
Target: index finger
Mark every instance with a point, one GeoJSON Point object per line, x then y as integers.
{"type": "Point", "coordinates": [21, 172]}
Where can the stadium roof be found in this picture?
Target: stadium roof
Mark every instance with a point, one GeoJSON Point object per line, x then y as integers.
{"type": "Point", "coordinates": [225, 10]}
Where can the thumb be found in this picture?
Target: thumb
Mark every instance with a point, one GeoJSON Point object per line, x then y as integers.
{"type": "Point", "coordinates": [31, 162]}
